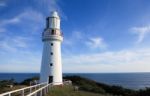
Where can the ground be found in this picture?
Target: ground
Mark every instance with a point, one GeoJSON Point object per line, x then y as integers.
{"type": "Point", "coordinates": [69, 91]}
{"type": "Point", "coordinates": [6, 89]}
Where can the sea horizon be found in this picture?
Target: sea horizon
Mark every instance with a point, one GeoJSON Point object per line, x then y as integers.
{"type": "Point", "coordinates": [138, 80]}
{"type": "Point", "coordinates": [79, 72]}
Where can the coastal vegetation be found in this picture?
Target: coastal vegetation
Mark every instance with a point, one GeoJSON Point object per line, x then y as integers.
{"type": "Point", "coordinates": [69, 91]}
{"type": "Point", "coordinates": [96, 87]}
{"type": "Point", "coordinates": [86, 87]}
{"type": "Point", "coordinates": [8, 85]}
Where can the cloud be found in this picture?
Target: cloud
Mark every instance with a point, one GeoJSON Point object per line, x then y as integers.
{"type": "Point", "coordinates": [17, 55]}
{"type": "Point", "coordinates": [73, 38]}
{"type": "Point", "coordinates": [29, 14]}
{"type": "Point", "coordinates": [86, 42]}
{"type": "Point", "coordinates": [13, 43]}
{"type": "Point", "coordinates": [141, 32]}
{"type": "Point", "coordinates": [96, 42]}
{"type": "Point", "coordinates": [136, 60]}
{"type": "Point", "coordinates": [27, 21]}
{"type": "Point", "coordinates": [18, 41]}
{"type": "Point", "coordinates": [2, 30]}
{"type": "Point", "coordinates": [21, 61]}
{"type": "Point", "coordinates": [52, 5]}
{"type": "Point", "coordinates": [48, 6]}
{"type": "Point", "coordinates": [2, 4]}
{"type": "Point", "coordinates": [21, 41]}
{"type": "Point", "coordinates": [10, 21]}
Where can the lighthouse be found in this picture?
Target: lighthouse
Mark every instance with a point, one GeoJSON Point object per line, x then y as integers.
{"type": "Point", "coordinates": [51, 65]}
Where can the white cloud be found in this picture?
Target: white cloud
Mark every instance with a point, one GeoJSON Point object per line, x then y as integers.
{"type": "Point", "coordinates": [12, 43]}
{"type": "Point", "coordinates": [21, 41]}
{"type": "Point", "coordinates": [29, 14]}
{"type": "Point", "coordinates": [2, 4]}
{"type": "Point", "coordinates": [75, 37]}
{"type": "Point", "coordinates": [88, 42]}
{"type": "Point", "coordinates": [120, 61]}
{"type": "Point", "coordinates": [16, 51]}
{"type": "Point", "coordinates": [10, 21]}
{"type": "Point", "coordinates": [21, 61]}
{"type": "Point", "coordinates": [29, 19]}
{"type": "Point", "coordinates": [17, 55]}
{"type": "Point", "coordinates": [141, 32]}
{"type": "Point", "coordinates": [51, 5]}
{"type": "Point", "coordinates": [96, 42]}
{"type": "Point", "coordinates": [2, 30]}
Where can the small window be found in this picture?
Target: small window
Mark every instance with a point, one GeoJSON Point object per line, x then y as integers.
{"type": "Point", "coordinates": [53, 32]}
{"type": "Point", "coordinates": [51, 64]}
{"type": "Point", "coordinates": [47, 23]}
{"type": "Point", "coordinates": [51, 44]}
{"type": "Point", "coordinates": [51, 53]}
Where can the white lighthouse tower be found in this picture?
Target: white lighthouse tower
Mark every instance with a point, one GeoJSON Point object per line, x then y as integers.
{"type": "Point", "coordinates": [51, 67]}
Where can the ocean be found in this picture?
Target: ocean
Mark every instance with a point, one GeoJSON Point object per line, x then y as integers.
{"type": "Point", "coordinates": [127, 80]}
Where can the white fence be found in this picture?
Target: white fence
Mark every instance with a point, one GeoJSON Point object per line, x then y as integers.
{"type": "Point", "coordinates": [42, 91]}
{"type": "Point", "coordinates": [26, 90]}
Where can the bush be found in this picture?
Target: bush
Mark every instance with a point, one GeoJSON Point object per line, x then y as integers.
{"type": "Point", "coordinates": [27, 81]}
{"type": "Point", "coordinates": [92, 86]}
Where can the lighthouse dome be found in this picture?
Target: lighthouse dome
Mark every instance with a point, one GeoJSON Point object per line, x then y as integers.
{"type": "Point", "coordinates": [54, 14]}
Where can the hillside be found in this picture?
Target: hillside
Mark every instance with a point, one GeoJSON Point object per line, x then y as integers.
{"type": "Point", "coordinates": [86, 87]}
{"type": "Point", "coordinates": [101, 88]}
{"type": "Point", "coordinates": [69, 91]}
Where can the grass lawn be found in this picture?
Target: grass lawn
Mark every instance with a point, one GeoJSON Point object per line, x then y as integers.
{"type": "Point", "coordinates": [6, 89]}
{"type": "Point", "coordinates": [69, 91]}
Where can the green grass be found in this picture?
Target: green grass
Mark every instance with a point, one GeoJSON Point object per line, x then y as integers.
{"type": "Point", "coordinates": [6, 89]}
{"type": "Point", "coordinates": [69, 91]}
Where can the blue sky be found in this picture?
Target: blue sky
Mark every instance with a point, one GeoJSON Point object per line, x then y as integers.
{"type": "Point", "coordinates": [99, 35]}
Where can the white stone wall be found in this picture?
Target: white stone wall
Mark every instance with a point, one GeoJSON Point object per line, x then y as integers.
{"type": "Point", "coordinates": [56, 69]}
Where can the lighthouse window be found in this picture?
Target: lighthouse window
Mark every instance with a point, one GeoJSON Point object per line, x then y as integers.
{"type": "Point", "coordinates": [51, 64]}
{"type": "Point", "coordinates": [53, 32]}
{"type": "Point", "coordinates": [51, 53]}
{"type": "Point", "coordinates": [51, 44]}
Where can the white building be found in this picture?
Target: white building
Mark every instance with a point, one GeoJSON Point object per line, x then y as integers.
{"type": "Point", "coordinates": [51, 67]}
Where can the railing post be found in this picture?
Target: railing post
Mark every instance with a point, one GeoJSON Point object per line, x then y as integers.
{"type": "Point", "coordinates": [39, 86]}
{"type": "Point", "coordinates": [47, 88]}
{"type": "Point", "coordinates": [35, 87]}
{"type": "Point", "coordinates": [44, 91]}
{"type": "Point", "coordinates": [30, 89]}
{"type": "Point", "coordinates": [41, 93]}
{"type": "Point", "coordinates": [22, 92]}
{"type": "Point", "coordinates": [9, 94]}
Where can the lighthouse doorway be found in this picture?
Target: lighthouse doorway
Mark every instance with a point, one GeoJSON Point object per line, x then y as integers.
{"type": "Point", "coordinates": [50, 79]}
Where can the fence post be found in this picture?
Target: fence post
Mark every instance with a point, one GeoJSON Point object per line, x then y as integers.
{"type": "Point", "coordinates": [39, 86]}
{"type": "Point", "coordinates": [41, 93]}
{"type": "Point", "coordinates": [44, 91]}
{"type": "Point", "coordinates": [47, 88]}
{"type": "Point", "coordinates": [35, 87]}
{"type": "Point", "coordinates": [30, 89]}
{"type": "Point", "coordinates": [22, 92]}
